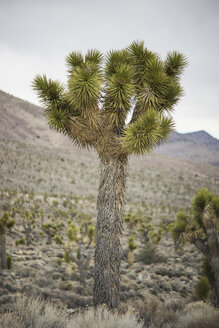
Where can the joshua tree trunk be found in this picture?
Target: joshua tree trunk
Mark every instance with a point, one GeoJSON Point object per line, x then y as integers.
{"type": "Point", "coordinates": [213, 247]}
{"type": "Point", "coordinates": [215, 266]}
{"type": "Point", "coordinates": [108, 230]}
{"type": "Point", "coordinates": [3, 259]}
{"type": "Point", "coordinates": [214, 258]}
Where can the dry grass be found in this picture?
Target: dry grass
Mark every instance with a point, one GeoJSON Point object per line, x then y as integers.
{"type": "Point", "coordinates": [102, 318]}
{"type": "Point", "coordinates": [156, 315]}
{"type": "Point", "coordinates": [198, 315]}
{"type": "Point", "coordinates": [174, 314]}
{"type": "Point", "coordinates": [35, 313]}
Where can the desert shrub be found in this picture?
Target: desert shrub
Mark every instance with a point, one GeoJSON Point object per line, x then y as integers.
{"type": "Point", "coordinates": [208, 271]}
{"type": "Point", "coordinates": [198, 315]}
{"type": "Point", "coordinates": [202, 288]}
{"type": "Point", "coordinates": [155, 314]}
{"type": "Point", "coordinates": [103, 318]}
{"type": "Point", "coordinates": [35, 313]}
{"type": "Point", "coordinates": [59, 261]}
{"type": "Point", "coordinates": [10, 320]}
{"type": "Point", "coordinates": [58, 239]}
{"type": "Point", "coordinates": [149, 255]}
{"type": "Point", "coordinates": [20, 242]}
{"type": "Point", "coordinates": [9, 262]}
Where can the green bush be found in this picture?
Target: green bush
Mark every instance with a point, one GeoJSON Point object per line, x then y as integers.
{"type": "Point", "coordinates": [207, 271]}
{"type": "Point", "coordinates": [69, 285]}
{"type": "Point", "coordinates": [149, 255]}
{"type": "Point", "coordinates": [198, 315]}
{"type": "Point", "coordinates": [58, 239]}
{"type": "Point", "coordinates": [59, 261]}
{"type": "Point", "coordinates": [67, 258]}
{"type": "Point", "coordinates": [20, 242]}
{"type": "Point", "coordinates": [9, 262]}
{"type": "Point", "coordinates": [202, 288]}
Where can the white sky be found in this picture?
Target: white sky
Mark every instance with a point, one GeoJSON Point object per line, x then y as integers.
{"type": "Point", "coordinates": [36, 36]}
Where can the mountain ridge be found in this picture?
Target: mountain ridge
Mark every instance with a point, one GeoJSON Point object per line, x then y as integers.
{"type": "Point", "coordinates": [25, 122]}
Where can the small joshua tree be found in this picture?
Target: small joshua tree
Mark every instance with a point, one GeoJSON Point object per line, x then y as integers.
{"type": "Point", "coordinates": [28, 222]}
{"type": "Point", "coordinates": [5, 225]}
{"type": "Point", "coordinates": [51, 231]}
{"type": "Point", "coordinates": [78, 248]}
{"type": "Point", "coordinates": [201, 229]}
{"type": "Point", "coordinates": [134, 84]}
{"type": "Point", "coordinates": [131, 247]}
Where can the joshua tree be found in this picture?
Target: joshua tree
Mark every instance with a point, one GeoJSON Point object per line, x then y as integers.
{"type": "Point", "coordinates": [201, 229]}
{"type": "Point", "coordinates": [131, 247]}
{"type": "Point", "coordinates": [82, 238]}
{"type": "Point", "coordinates": [5, 225]}
{"type": "Point", "coordinates": [132, 84]}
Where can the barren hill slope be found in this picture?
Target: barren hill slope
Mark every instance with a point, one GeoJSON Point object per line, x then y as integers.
{"type": "Point", "coordinates": [25, 122]}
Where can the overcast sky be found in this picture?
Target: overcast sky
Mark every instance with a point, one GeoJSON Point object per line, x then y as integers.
{"type": "Point", "coordinates": [36, 36]}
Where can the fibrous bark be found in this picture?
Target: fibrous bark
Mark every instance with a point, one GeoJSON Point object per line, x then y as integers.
{"type": "Point", "coordinates": [108, 231]}
{"type": "Point", "coordinates": [209, 221]}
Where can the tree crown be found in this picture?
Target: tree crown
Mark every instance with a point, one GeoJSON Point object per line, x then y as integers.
{"type": "Point", "coordinates": [102, 93]}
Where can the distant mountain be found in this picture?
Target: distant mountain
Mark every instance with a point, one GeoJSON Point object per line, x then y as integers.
{"type": "Point", "coordinates": [197, 146]}
{"type": "Point", "coordinates": [25, 122]}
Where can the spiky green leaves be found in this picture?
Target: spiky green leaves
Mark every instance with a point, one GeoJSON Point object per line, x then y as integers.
{"type": "Point", "coordinates": [50, 92]}
{"type": "Point", "coordinates": [84, 87]}
{"type": "Point", "coordinates": [157, 89]}
{"type": "Point", "coordinates": [118, 89]}
{"type": "Point", "coordinates": [175, 64]}
{"type": "Point", "coordinates": [73, 60]}
{"type": "Point", "coordinates": [204, 214]}
{"type": "Point", "coordinates": [203, 199]}
{"type": "Point", "coordinates": [58, 120]}
{"type": "Point", "coordinates": [114, 59]}
{"type": "Point", "coordinates": [94, 57]}
{"type": "Point", "coordinates": [180, 225]}
{"type": "Point", "coordinates": [150, 129]}
{"type": "Point", "coordinates": [156, 82]}
{"type": "Point", "coordinates": [53, 96]}
{"type": "Point", "coordinates": [85, 79]}
{"type": "Point", "coordinates": [118, 94]}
